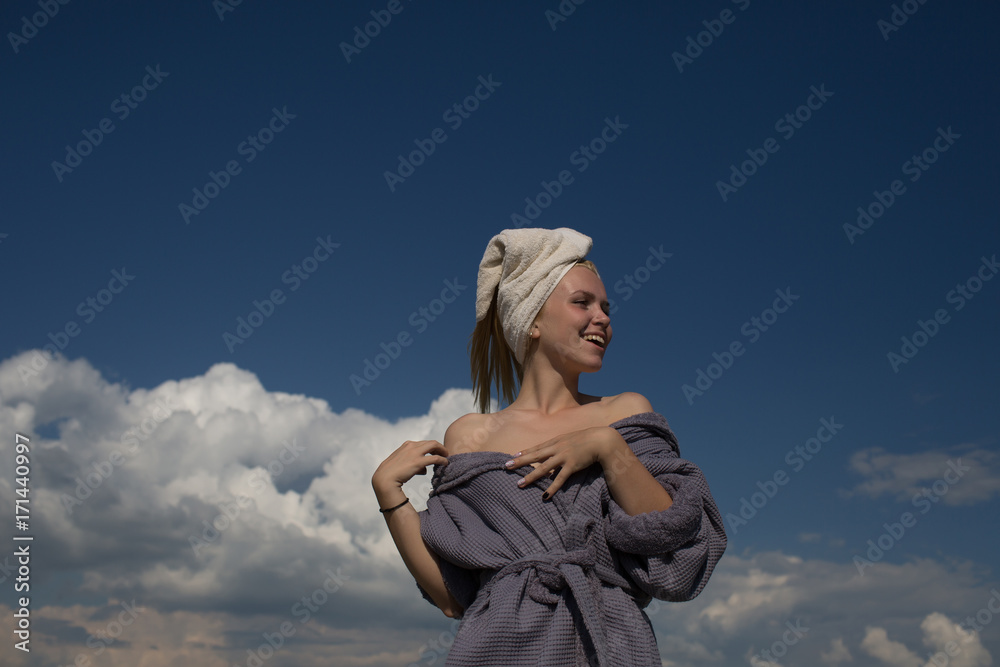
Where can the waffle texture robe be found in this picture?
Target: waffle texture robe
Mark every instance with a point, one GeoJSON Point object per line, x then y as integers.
{"type": "Point", "coordinates": [563, 581]}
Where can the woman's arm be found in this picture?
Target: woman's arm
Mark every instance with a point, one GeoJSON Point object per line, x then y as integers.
{"type": "Point", "coordinates": [629, 482]}
{"type": "Point", "coordinates": [404, 523]}
{"type": "Point", "coordinates": [631, 485]}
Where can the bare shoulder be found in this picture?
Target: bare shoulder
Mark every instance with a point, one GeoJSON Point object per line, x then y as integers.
{"type": "Point", "coordinates": [627, 404]}
{"type": "Point", "coordinates": [467, 432]}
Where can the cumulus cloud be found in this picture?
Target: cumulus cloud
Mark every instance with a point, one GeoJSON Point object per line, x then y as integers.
{"type": "Point", "coordinates": [752, 602]}
{"type": "Point", "coordinates": [957, 476]}
{"type": "Point", "coordinates": [948, 643]}
{"type": "Point", "coordinates": [837, 654]}
{"type": "Point", "coordinates": [67, 635]}
{"type": "Point", "coordinates": [954, 644]}
{"type": "Point", "coordinates": [877, 643]}
{"type": "Point", "coordinates": [226, 511]}
{"type": "Point", "coordinates": [212, 494]}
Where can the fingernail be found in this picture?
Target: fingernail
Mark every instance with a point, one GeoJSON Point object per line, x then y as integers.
{"type": "Point", "coordinates": [509, 464]}
{"type": "Point", "coordinates": [521, 482]}
{"type": "Point", "coordinates": [545, 496]}
{"type": "Point", "coordinates": [516, 455]}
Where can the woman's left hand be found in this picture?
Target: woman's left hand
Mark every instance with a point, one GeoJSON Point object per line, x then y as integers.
{"type": "Point", "coordinates": [565, 455]}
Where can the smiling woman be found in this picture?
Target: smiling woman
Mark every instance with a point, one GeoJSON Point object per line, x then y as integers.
{"type": "Point", "coordinates": [552, 524]}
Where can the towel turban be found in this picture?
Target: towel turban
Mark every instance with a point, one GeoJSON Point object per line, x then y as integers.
{"type": "Point", "coordinates": [526, 264]}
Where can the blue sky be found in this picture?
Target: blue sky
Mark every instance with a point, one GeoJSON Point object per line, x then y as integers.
{"type": "Point", "coordinates": [819, 110]}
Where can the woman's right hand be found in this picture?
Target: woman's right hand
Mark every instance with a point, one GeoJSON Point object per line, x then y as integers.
{"type": "Point", "coordinates": [411, 458]}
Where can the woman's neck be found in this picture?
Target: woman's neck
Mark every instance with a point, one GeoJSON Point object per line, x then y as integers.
{"type": "Point", "coordinates": [547, 391]}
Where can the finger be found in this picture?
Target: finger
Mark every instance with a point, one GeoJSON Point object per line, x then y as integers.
{"type": "Point", "coordinates": [531, 477]}
{"type": "Point", "coordinates": [421, 465]}
{"type": "Point", "coordinates": [537, 474]}
{"type": "Point", "coordinates": [554, 486]}
{"type": "Point", "coordinates": [424, 448]}
{"type": "Point", "coordinates": [432, 446]}
{"type": "Point", "coordinates": [438, 448]}
{"type": "Point", "coordinates": [536, 454]}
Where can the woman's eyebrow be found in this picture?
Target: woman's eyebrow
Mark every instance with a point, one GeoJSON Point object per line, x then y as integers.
{"type": "Point", "coordinates": [589, 295]}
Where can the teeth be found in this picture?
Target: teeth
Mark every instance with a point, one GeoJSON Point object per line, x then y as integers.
{"type": "Point", "coordinates": [594, 337]}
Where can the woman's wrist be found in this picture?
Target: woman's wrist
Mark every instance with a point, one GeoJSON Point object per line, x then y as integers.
{"type": "Point", "coordinates": [616, 451]}
{"type": "Point", "coordinates": [613, 442]}
{"type": "Point", "coordinates": [389, 510]}
{"type": "Point", "coordinates": [389, 497]}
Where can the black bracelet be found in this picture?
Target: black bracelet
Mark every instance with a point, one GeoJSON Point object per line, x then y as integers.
{"type": "Point", "coordinates": [394, 508]}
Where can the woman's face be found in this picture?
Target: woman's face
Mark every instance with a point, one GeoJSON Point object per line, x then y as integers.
{"type": "Point", "coordinates": [575, 312]}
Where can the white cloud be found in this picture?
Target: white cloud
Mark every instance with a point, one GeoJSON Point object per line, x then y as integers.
{"type": "Point", "coordinates": [837, 654]}
{"type": "Point", "coordinates": [955, 645]}
{"type": "Point", "coordinates": [948, 643]}
{"type": "Point", "coordinates": [294, 478]}
{"type": "Point", "coordinates": [877, 643]}
{"type": "Point", "coordinates": [956, 476]}
{"type": "Point", "coordinates": [751, 600]}
{"type": "Point", "coordinates": [271, 487]}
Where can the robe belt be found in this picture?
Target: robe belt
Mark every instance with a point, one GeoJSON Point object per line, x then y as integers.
{"type": "Point", "coordinates": [576, 569]}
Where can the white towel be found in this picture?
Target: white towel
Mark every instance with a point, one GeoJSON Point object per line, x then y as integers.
{"type": "Point", "coordinates": [527, 264]}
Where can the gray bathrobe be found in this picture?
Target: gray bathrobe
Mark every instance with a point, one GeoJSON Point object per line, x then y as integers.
{"type": "Point", "coordinates": [563, 581]}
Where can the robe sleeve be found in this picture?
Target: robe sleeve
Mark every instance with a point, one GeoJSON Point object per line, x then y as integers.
{"type": "Point", "coordinates": [669, 554]}
{"type": "Point", "coordinates": [462, 583]}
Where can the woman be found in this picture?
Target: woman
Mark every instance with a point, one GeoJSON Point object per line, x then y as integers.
{"type": "Point", "coordinates": [553, 522]}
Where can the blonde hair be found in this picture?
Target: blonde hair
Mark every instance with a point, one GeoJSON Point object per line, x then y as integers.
{"type": "Point", "coordinates": [493, 362]}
